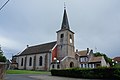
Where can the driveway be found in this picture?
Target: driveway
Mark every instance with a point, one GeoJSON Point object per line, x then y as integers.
{"type": "Point", "coordinates": [37, 77]}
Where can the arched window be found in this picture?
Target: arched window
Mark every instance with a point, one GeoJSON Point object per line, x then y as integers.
{"type": "Point", "coordinates": [30, 61]}
{"type": "Point", "coordinates": [40, 61]}
{"type": "Point", "coordinates": [71, 64]}
{"type": "Point", "coordinates": [22, 62]}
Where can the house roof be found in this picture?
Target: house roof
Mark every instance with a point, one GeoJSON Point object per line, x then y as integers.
{"type": "Point", "coordinates": [83, 53]}
{"type": "Point", "coordinates": [96, 59]}
{"type": "Point", "coordinates": [116, 59]}
{"type": "Point", "coordinates": [42, 48]}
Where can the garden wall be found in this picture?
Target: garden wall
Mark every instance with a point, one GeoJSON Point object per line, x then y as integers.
{"type": "Point", "coordinates": [2, 71]}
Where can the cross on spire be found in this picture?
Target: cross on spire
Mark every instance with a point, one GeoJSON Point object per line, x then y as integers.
{"type": "Point", "coordinates": [64, 5]}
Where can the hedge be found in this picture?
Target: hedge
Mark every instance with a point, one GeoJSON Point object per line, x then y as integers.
{"type": "Point", "coordinates": [96, 73]}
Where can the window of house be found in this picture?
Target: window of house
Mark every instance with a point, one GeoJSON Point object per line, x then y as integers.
{"type": "Point", "coordinates": [30, 61]}
{"type": "Point", "coordinates": [58, 66]}
{"type": "Point", "coordinates": [86, 59]}
{"type": "Point", "coordinates": [22, 62]}
{"type": "Point", "coordinates": [40, 61]}
{"type": "Point", "coordinates": [85, 65]}
{"type": "Point", "coordinates": [81, 65]}
{"type": "Point", "coordinates": [53, 66]}
{"type": "Point", "coordinates": [62, 35]}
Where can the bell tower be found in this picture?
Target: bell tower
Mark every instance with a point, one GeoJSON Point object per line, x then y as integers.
{"type": "Point", "coordinates": [65, 39]}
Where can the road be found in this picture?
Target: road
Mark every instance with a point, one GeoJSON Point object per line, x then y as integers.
{"type": "Point", "coordinates": [38, 77]}
{"type": "Point", "coordinates": [19, 77]}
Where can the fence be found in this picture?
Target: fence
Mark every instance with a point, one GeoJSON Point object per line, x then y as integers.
{"type": "Point", "coordinates": [2, 70]}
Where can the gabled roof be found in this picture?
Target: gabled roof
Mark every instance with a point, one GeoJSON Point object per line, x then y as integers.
{"type": "Point", "coordinates": [83, 53]}
{"type": "Point", "coordinates": [42, 48]}
{"type": "Point", "coordinates": [96, 59]}
{"type": "Point", "coordinates": [116, 59]}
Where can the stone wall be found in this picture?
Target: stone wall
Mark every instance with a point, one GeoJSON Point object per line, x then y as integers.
{"type": "Point", "coordinates": [2, 70]}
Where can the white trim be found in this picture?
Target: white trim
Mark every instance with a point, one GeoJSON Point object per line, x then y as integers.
{"type": "Point", "coordinates": [78, 54]}
{"type": "Point", "coordinates": [54, 47]}
{"type": "Point", "coordinates": [21, 51]}
{"type": "Point", "coordinates": [64, 58]}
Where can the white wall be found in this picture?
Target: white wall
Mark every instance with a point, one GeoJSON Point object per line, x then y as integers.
{"type": "Point", "coordinates": [19, 62]}
{"type": "Point", "coordinates": [103, 62]}
{"type": "Point", "coordinates": [43, 61]}
{"type": "Point", "coordinates": [27, 62]}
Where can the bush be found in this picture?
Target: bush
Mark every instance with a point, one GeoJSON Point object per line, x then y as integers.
{"type": "Point", "coordinates": [2, 58]}
{"type": "Point", "coordinates": [97, 73]}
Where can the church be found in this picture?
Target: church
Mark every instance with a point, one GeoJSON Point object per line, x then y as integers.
{"type": "Point", "coordinates": [59, 54]}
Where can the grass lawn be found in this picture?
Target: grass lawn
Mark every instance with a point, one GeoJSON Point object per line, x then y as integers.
{"type": "Point", "coordinates": [26, 72]}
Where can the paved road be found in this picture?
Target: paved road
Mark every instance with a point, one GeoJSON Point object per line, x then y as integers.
{"type": "Point", "coordinates": [19, 77]}
{"type": "Point", "coordinates": [37, 77]}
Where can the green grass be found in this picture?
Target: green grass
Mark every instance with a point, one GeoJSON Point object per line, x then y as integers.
{"type": "Point", "coordinates": [26, 72]}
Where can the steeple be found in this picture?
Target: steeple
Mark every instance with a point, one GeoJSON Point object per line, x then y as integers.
{"type": "Point", "coordinates": [65, 24]}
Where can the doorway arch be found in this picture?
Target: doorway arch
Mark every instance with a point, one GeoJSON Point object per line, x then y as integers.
{"type": "Point", "coordinates": [71, 64]}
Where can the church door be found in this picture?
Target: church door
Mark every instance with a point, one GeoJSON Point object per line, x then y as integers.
{"type": "Point", "coordinates": [71, 64]}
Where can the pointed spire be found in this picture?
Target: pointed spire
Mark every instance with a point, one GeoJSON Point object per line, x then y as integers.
{"type": "Point", "coordinates": [65, 24]}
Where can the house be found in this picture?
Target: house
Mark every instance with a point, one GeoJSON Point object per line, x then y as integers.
{"type": "Point", "coordinates": [59, 54]}
{"type": "Point", "coordinates": [117, 60]}
{"type": "Point", "coordinates": [87, 59]}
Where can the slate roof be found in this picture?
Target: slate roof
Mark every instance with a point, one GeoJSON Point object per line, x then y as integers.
{"type": "Point", "coordinates": [65, 24]}
{"type": "Point", "coordinates": [42, 48]}
{"type": "Point", "coordinates": [96, 59]}
{"type": "Point", "coordinates": [116, 59]}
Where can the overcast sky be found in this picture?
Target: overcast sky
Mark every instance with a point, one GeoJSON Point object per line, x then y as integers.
{"type": "Point", "coordinates": [96, 24]}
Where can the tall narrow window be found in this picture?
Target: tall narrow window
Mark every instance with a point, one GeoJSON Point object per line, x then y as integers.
{"type": "Point", "coordinates": [22, 62]}
{"type": "Point", "coordinates": [30, 61]}
{"type": "Point", "coordinates": [70, 36]}
{"type": "Point", "coordinates": [62, 35]}
{"type": "Point", "coordinates": [40, 61]}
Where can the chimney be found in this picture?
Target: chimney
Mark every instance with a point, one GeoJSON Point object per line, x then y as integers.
{"type": "Point", "coordinates": [87, 50]}
{"type": "Point", "coordinates": [76, 50]}
{"type": "Point", "coordinates": [27, 46]}
{"type": "Point", "coordinates": [91, 51]}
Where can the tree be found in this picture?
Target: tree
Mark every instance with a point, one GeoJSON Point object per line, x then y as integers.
{"type": "Point", "coordinates": [107, 59]}
{"type": "Point", "coordinates": [2, 58]}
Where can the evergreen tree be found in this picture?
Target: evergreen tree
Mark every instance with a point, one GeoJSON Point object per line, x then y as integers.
{"type": "Point", "coordinates": [2, 58]}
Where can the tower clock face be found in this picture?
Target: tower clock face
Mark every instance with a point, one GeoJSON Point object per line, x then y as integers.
{"type": "Point", "coordinates": [70, 40]}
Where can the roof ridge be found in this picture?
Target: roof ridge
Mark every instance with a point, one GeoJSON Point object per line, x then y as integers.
{"type": "Point", "coordinates": [43, 44]}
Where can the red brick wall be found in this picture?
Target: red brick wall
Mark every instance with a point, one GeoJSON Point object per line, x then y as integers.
{"type": "Point", "coordinates": [54, 53]}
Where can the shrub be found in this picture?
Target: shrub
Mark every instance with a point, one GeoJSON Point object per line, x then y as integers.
{"type": "Point", "coordinates": [96, 73]}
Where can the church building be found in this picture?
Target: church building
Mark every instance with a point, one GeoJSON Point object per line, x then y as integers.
{"type": "Point", "coordinates": [59, 54]}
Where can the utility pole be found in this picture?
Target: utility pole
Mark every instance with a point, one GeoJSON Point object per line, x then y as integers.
{"type": "Point", "coordinates": [4, 5]}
